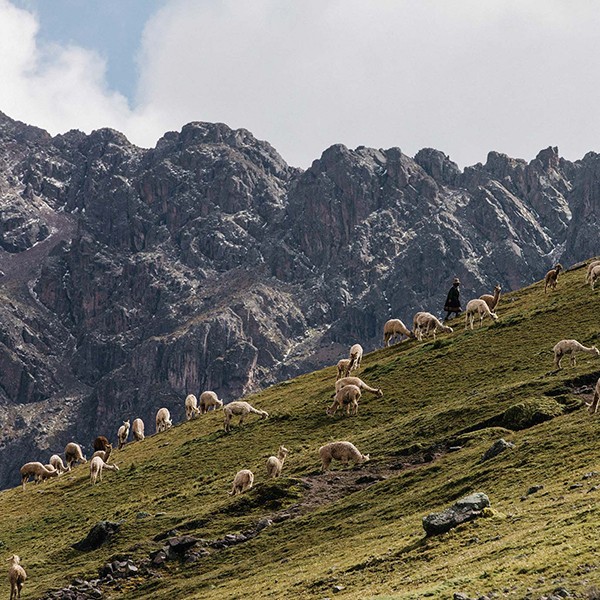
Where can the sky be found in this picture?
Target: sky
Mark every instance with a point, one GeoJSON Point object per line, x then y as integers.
{"type": "Point", "coordinates": [462, 76]}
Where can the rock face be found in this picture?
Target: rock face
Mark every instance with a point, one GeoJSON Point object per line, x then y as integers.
{"type": "Point", "coordinates": [133, 277]}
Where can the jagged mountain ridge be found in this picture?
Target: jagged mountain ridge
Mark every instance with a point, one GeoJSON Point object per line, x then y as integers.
{"type": "Point", "coordinates": [133, 277]}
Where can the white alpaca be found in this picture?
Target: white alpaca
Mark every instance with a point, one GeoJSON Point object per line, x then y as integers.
{"type": "Point", "coordinates": [96, 466]}
{"type": "Point", "coordinates": [356, 354]}
{"type": "Point", "coordinates": [348, 396]}
{"type": "Point", "coordinates": [16, 576]}
{"type": "Point", "coordinates": [395, 328]}
{"type": "Point", "coordinates": [551, 278]}
{"type": "Point", "coordinates": [342, 451]}
{"type": "Point", "coordinates": [275, 463]}
{"type": "Point", "coordinates": [424, 323]}
{"type": "Point", "coordinates": [594, 276]}
{"type": "Point", "coordinates": [36, 470]}
{"type": "Point", "coordinates": [590, 268]}
{"type": "Point", "coordinates": [242, 409]}
{"type": "Point", "coordinates": [73, 454]}
{"type": "Point", "coordinates": [138, 430]}
{"type": "Point", "coordinates": [103, 454]}
{"type": "Point", "coordinates": [123, 434]}
{"type": "Point", "coordinates": [359, 383]}
{"type": "Point", "coordinates": [594, 405]}
{"type": "Point", "coordinates": [492, 300]}
{"type": "Point", "coordinates": [163, 420]}
{"type": "Point", "coordinates": [57, 462]}
{"type": "Point", "coordinates": [342, 367]}
{"type": "Point", "coordinates": [209, 400]}
{"type": "Point", "coordinates": [242, 482]}
{"type": "Point", "coordinates": [191, 407]}
{"type": "Point", "coordinates": [571, 347]}
{"type": "Point", "coordinates": [479, 307]}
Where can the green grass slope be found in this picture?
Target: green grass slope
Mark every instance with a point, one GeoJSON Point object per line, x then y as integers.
{"type": "Point", "coordinates": [361, 528]}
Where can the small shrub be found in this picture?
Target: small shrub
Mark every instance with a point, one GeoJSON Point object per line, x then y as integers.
{"type": "Point", "coordinates": [531, 412]}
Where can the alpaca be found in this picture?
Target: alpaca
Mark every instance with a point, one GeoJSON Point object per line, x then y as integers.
{"type": "Point", "coordinates": [590, 268]}
{"type": "Point", "coordinates": [571, 347]}
{"type": "Point", "coordinates": [359, 383]}
{"type": "Point", "coordinates": [356, 354]}
{"type": "Point", "coordinates": [16, 576]}
{"type": "Point", "coordinates": [96, 466]}
{"type": "Point", "coordinates": [57, 462]}
{"type": "Point", "coordinates": [73, 454]}
{"type": "Point", "coordinates": [342, 367]}
{"type": "Point", "coordinates": [138, 430]}
{"type": "Point", "coordinates": [594, 275]}
{"type": "Point", "coordinates": [209, 400]}
{"type": "Point", "coordinates": [191, 407]}
{"type": "Point", "coordinates": [163, 420]}
{"type": "Point", "coordinates": [123, 434]}
{"type": "Point", "coordinates": [395, 328]}
{"type": "Point", "coordinates": [478, 306]}
{"type": "Point", "coordinates": [275, 463]}
{"type": "Point", "coordinates": [551, 278]}
{"type": "Point", "coordinates": [103, 454]}
{"type": "Point", "coordinates": [242, 482]}
{"type": "Point", "coordinates": [242, 409]}
{"type": "Point", "coordinates": [424, 322]}
{"type": "Point", "coordinates": [101, 443]}
{"type": "Point", "coordinates": [348, 396]}
{"type": "Point", "coordinates": [492, 301]}
{"type": "Point", "coordinates": [594, 405]}
{"type": "Point", "coordinates": [342, 451]}
{"type": "Point", "coordinates": [36, 470]}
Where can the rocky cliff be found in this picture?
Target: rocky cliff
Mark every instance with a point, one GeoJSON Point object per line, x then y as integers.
{"type": "Point", "coordinates": [132, 277]}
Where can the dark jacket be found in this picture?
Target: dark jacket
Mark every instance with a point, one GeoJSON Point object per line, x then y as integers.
{"type": "Point", "coordinates": [453, 299]}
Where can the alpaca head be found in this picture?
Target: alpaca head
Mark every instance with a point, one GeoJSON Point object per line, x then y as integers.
{"type": "Point", "coordinates": [365, 458]}
{"type": "Point", "coordinates": [494, 316]}
{"type": "Point", "coordinates": [596, 351]}
{"type": "Point", "coordinates": [15, 559]}
{"type": "Point", "coordinates": [380, 393]}
{"type": "Point", "coordinates": [498, 288]}
{"type": "Point", "coordinates": [558, 268]}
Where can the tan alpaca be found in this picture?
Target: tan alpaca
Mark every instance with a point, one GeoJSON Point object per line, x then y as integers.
{"type": "Point", "coordinates": [571, 347]}
{"type": "Point", "coordinates": [594, 405]}
{"type": "Point", "coordinates": [16, 576]}
{"type": "Point", "coordinates": [347, 396]}
{"type": "Point", "coordinates": [395, 328]}
{"type": "Point", "coordinates": [424, 323]}
{"type": "Point", "coordinates": [492, 300]}
{"type": "Point", "coordinates": [479, 307]}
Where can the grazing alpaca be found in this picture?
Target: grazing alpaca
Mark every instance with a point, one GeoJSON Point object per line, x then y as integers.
{"type": "Point", "coordinates": [571, 347]}
{"type": "Point", "coordinates": [492, 301]}
{"type": "Point", "coordinates": [347, 396]}
{"type": "Point", "coordinates": [594, 275]}
{"type": "Point", "coordinates": [424, 322]}
{"type": "Point", "coordinates": [594, 405]}
{"type": "Point", "coordinates": [395, 328]}
{"type": "Point", "coordinates": [481, 308]}
{"type": "Point", "coordinates": [16, 576]}
{"type": "Point", "coordinates": [590, 268]}
{"type": "Point", "coordinates": [241, 408]}
{"type": "Point", "coordinates": [242, 482]}
{"type": "Point", "coordinates": [138, 430]}
{"type": "Point", "coordinates": [551, 278]}
{"type": "Point", "coordinates": [342, 451]}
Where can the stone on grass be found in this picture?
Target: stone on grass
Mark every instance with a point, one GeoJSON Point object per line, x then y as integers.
{"type": "Point", "coordinates": [465, 509]}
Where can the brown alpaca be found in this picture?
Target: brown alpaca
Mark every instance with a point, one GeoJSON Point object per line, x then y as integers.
{"type": "Point", "coordinates": [492, 301]}
{"type": "Point", "coordinates": [551, 278]}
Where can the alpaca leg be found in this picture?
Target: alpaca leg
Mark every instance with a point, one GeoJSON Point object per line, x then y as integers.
{"type": "Point", "coordinates": [557, 360]}
{"type": "Point", "coordinates": [573, 359]}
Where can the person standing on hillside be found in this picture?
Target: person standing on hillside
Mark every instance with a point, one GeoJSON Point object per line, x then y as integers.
{"type": "Point", "coordinates": [453, 300]}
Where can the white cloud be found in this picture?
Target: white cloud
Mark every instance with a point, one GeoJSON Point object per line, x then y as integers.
{"type": "Point", "coordinates": [54, 87]}
{"type": "Point", "coordinates": [464, 76]}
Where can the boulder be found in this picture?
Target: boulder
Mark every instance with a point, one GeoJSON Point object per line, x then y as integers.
{"type": "Point", "coordinates": [465, 509]}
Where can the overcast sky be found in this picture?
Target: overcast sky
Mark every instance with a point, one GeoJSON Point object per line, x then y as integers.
{"type": "Point", "coordinates": [463, 76]}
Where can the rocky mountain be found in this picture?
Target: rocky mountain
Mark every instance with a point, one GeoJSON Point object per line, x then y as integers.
{"type": "Point", "coordinates": [131, 277]}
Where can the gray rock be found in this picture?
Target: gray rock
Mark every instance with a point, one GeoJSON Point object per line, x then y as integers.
{"type": "Point", "coordinates": [97, 535]}
{"type": "Point", "coordinates": [498, 447]}
{"type": "Point", "coordinates": [534, 489]}
{"type": "Point", "coordinates": [465, 509]}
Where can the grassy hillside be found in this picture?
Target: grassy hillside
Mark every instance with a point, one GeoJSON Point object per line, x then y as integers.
{"type": "Point", "coordinates": [361, 529]}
